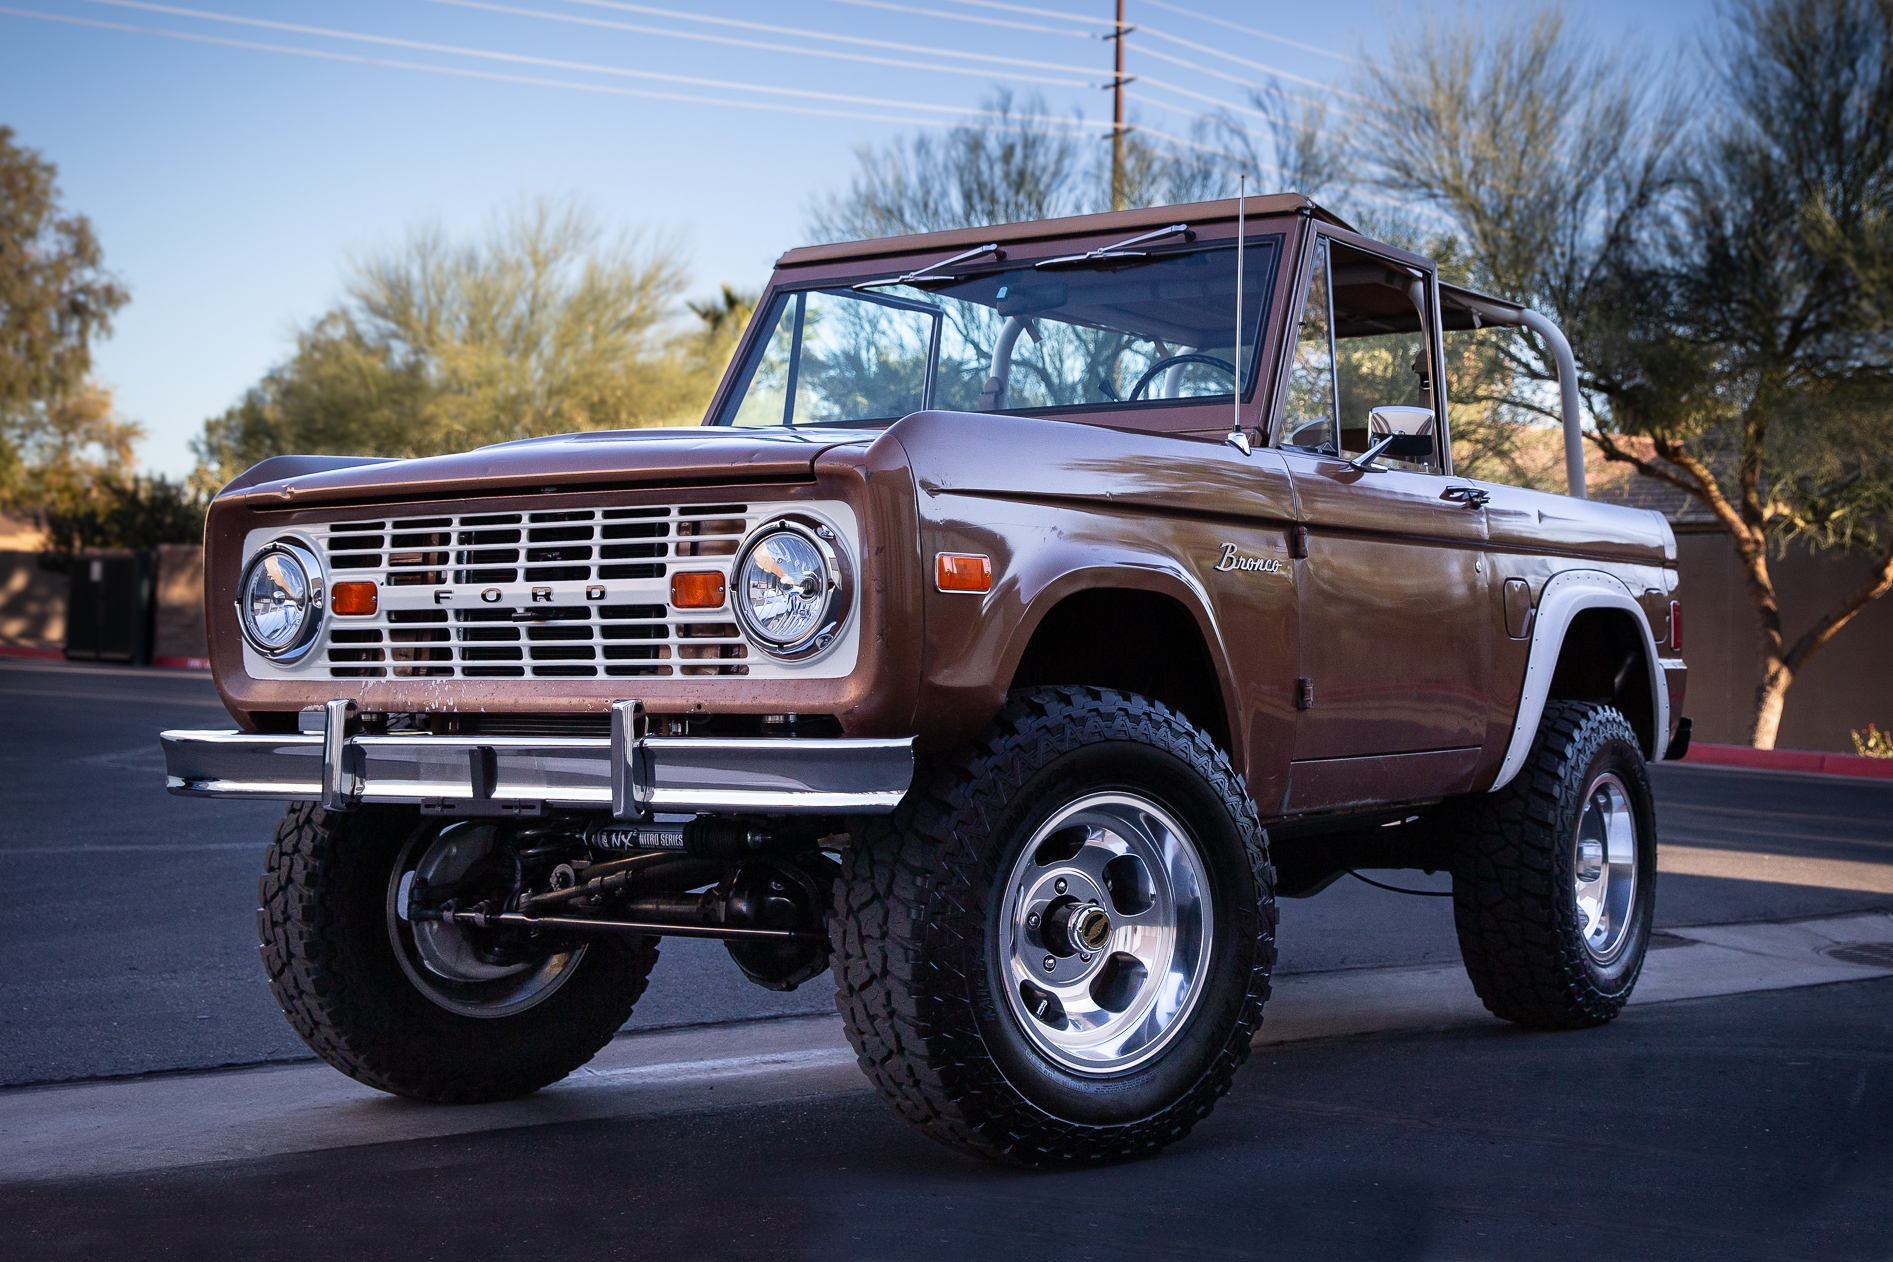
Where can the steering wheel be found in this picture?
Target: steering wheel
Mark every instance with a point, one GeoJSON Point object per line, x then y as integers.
{"type": "Point", "coordinates": [1171, 361]}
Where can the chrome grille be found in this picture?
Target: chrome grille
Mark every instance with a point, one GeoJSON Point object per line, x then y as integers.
{"type": "Point", "coordinates": [567, 594]}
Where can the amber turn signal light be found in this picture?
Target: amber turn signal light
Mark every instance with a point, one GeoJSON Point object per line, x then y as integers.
{"type": "Point", "coordinates": [962, 572]}
{"type": "Point", "coordinates": [697, 589]}
{"type": "Point", "coordinates": [354, 599]}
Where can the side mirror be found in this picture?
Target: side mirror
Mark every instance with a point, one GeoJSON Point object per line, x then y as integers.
{"type": "Point", "coordinates": [1398, 446]}
{"type": "Point", "coordinates": [1409, 447]}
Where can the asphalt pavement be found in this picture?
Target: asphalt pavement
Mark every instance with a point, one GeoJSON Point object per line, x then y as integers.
{"type": "Point", "coordinates": [159, 1106]}
{"type": "Point", "coordinates": [1754, 1126]}
{"type": "Point", "coordinates": [132, 944]}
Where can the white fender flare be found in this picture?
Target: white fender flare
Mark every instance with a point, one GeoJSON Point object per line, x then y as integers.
{"type": "Point", "coordinates": [1564, 597]}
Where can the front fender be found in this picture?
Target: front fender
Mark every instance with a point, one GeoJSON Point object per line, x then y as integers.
{"type": "Point", "coordinates": [975, 643]}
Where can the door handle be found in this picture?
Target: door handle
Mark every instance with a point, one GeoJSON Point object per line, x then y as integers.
{"type": "Point", "coordinates": [1470, 496]}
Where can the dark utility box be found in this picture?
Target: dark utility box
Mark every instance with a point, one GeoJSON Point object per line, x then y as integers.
{"type": "Point", "coordinates": [109, 605]}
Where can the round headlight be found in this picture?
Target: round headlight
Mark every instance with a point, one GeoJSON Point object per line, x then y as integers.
{"type": "Point", "coordinates": [791, 588]}
{"type": "Point", "coordinates": [279, 603]}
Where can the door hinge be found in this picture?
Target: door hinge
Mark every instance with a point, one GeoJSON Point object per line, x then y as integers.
{"type": "Point", "coordinates": [1298, 541]}
{"type": "Point", "coordinates": [1304, 693]}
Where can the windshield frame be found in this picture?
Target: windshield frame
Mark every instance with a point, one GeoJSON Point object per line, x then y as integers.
{"type": "Point", "coordinates": [1016, 257]}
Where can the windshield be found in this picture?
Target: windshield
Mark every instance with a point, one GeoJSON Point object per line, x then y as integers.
{"type": "Point", "coordinates": [1127, 333]}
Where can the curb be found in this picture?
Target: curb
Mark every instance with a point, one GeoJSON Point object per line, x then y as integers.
{"type": "Point", "coordinates": [1808, 762]}
{"type": "Point", "coordinates": [59, 655]}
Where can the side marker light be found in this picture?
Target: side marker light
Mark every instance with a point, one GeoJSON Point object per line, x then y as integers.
{"type": "Point", "coordinates": [962, 572]}
{"type": "Point", "coordinates": [1676, 625]}
{"type": "Point", "coordinates": [354, 599]}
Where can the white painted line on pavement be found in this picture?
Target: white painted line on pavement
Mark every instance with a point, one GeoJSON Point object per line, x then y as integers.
{"type": "Point", "coordinates": [105, 1128]}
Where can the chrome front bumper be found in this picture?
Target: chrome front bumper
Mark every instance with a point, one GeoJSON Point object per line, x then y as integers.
{"type": "Point", "coordinates": [628, 774]}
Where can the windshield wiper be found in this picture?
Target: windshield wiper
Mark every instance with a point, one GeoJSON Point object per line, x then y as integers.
{"type": "Point", "coordinates": [925, 273]}
{"type": "Point", "coordinates": [1118, 251]}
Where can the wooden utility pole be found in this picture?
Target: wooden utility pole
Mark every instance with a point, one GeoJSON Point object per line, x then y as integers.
{"type": "Point", "coordinates": [1117, 111]}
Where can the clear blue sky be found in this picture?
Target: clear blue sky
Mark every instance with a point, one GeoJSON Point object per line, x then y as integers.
{"type": "Point", "coordinates": [230, 181]}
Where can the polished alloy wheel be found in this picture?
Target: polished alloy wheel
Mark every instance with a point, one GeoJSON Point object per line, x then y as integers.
{"type": "Point", "coordinates": [466, 971]}
{"type": "Point", "coordinates": [1604, 862]}
{"type": "Point", "coordinates": [1105, 933]}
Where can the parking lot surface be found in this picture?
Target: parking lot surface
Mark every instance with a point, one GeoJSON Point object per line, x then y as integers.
{"type": "Point", "coordinates": [1408, 1125]}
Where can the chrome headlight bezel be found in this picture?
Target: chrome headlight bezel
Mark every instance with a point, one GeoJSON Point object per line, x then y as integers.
{"type": "Point", "coordinates": [825, 631]}
{"type": "Point", "coordinates": [315, 600]}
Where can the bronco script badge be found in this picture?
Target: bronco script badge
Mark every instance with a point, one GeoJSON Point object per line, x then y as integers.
{"type": "Point", "coordinates": [1234, 560]}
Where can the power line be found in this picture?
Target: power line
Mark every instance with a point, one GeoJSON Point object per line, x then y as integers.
{"type": "Point", "coordinates": [1249, 30]}
{"type": "Point", "coordinates": [464, 73]}
{"type": "Point", "coordinates": [1062, 126]}
{"type": "Point", "coordinates": [1019, 8]}
{"type": "Point", "coordinates": [1144, 50]}
{"type": "Point", "coordinates": [1012, 122]}
{"type": "Point", "coordinates": [1180, 90]}
{"type": "Point", "coordinates": [554, 63]}
{"type": "Point", "coordinates": [735, 42]}
{"type": "Point", "coordinates": [967, 17]}
{"type": "Point", "coordinates": [861, 40]}
{"type": "Point", "coordinates": [1177, 39]}
{"type": "Point", "coordinates": [1244, 61]}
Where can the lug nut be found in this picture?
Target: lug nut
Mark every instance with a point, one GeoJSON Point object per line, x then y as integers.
{"type": "Point", "coordinates": [1083, 958]}
{"type": "Point", "coordinates": [1050, 963]}
{"type": "Point", "coordinates": [1032, 921]}
{"type": "Point", "coordinates": [1060, 887]}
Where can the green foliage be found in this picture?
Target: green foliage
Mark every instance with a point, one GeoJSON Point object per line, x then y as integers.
{"type": "Point", "coordinates": [1548, 158]}
{"type": "Point", "coordinates": [1873, 743]}
{"type": "Point", "coordinates": [133, 513]}
{"type": "Point", "coordinates": [1723, 265]}
{"type": "Point", "coordinates": [542, 327]}
{"type": "Point", "coordinates": [55, 298]}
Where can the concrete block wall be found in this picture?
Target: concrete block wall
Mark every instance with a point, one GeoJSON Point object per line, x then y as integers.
{"type": "Point", "coordinates": [32, 603]}
{"type": "Point", "coordinates": [178, 637]}
{"type": "Point", "coordinates": [1844, 687]}
{"type": "Point", "coordinates": [33, 606]}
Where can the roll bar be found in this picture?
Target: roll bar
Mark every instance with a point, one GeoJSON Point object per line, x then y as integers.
{"type": "Point", "coordinates": [1464, 309]}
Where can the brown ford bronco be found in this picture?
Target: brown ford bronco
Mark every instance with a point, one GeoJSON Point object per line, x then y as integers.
{"type": "Point", "coordinates": [1034, 607]}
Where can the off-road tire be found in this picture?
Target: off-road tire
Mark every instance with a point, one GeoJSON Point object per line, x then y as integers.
{"type": "Point", "coordinates": [911, 942]}
{"type": "Point", "coordinates": [323, 922]}
{"type": "Point", "coordinates": [1514, 904]}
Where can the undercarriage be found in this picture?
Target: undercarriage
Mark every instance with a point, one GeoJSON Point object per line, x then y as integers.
{"type": "Point", "coordinates": [476, 895]}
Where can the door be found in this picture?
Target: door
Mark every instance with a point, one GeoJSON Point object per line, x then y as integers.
{"type": "Point", "coordinates": [1394, 602]}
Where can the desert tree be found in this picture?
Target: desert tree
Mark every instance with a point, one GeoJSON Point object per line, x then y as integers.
{"type": "Point", "coordinates": [1767, 394]}
{"type": "Point", "coordinates": [546, 324]}
{"type": "Point", "coordinates": [57, 427]}
{"type": "Point", "coordinates": [1718, 258]}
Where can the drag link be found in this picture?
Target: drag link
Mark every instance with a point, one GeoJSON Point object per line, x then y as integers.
{"type": "Point", "coordinates": [513, 920]}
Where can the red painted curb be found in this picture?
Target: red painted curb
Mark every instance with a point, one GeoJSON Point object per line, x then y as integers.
{"type": "Point", "coordinates": [58, 655]}
{"type": "Point", "coordinates": [1802, 760]}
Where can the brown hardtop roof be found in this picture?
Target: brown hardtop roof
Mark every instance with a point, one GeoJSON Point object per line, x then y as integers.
{"type": "Point", "coordinates": [1128, 221]}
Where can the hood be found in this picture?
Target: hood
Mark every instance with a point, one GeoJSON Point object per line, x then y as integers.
{"type": "Point", "coordinates": [697, 455]}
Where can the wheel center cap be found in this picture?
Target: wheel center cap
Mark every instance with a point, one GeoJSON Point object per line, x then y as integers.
{"type": "Point", "coordinates": [1091, 928]}
{"type": "Point", "coordinates": [1074, 928]}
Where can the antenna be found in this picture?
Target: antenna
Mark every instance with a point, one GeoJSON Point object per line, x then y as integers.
{"type": "Point", "coordinates": [1236, 438]}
